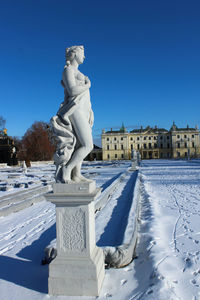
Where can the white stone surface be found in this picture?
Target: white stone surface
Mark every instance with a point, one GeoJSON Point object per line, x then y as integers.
{"type": "Point", "coordinates": [74, 188]}
{"type": "Point", "coordinates": [74, 120]}
{"type": "Point", "coordinates": [78, 268]}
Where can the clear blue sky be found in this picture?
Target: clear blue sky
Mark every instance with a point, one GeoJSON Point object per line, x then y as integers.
{"type": "Point", "coordinates": [143, 59]}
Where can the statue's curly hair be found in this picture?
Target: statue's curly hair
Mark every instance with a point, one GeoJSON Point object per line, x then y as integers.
{"type": "Point", "coordinates": [71, 52]}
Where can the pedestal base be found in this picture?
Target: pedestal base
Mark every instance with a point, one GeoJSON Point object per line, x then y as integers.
{"type": "Point", "coordinates": [133, 166]}
{"type": "Point", "coordinates": [78, 276]}
{"type": "Point", "coordinates": [78, 269]}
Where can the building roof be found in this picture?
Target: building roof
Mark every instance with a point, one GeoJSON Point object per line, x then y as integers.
{"type": "Point", "coordinates": [175, 128]}
{"type": "Point", "coordinates": [148, 129]}
{"type": "Point", "coordinates": [151, 130]}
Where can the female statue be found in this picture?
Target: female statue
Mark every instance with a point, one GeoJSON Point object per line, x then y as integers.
{"type": "Point", "coordinates": [73, 122]}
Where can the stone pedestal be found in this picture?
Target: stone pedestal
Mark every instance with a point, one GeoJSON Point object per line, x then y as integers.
{"type": "Point", "coordinates": [133, 165]}
{"type": "Point", "coordinates": [78, 269]}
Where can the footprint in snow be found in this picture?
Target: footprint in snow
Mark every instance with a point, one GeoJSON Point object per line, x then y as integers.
{"type": "Point", "coordinates": [188, 264]}
{"type": "Point", "coordinates": [107, 295]}
{"type": "Point", "coordinates": [196, 241]}
{"type": "Point", "coordinates": [123, 281]}
{"type": "Point", "coordinates": [197, 272]}
{"type": "Point", "coordinates": [175, 281]}
{"type": "Point", "coordinates": [194, 282]}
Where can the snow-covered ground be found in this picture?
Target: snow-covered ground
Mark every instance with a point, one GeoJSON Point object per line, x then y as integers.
{"type": "Point", "coordinates": [168, 263]}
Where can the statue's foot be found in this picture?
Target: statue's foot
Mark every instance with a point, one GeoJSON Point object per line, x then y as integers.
{"type": "Point", "coordinates": [81, 178]}
{"type": "Point", "coordinates": [66, 176]}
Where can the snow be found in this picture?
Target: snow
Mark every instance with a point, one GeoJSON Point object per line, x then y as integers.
{"type": "Point", "coordinates": [168, 250]}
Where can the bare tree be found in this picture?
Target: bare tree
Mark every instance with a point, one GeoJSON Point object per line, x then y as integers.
{"type": "Point", "coordinates": [36, 144]}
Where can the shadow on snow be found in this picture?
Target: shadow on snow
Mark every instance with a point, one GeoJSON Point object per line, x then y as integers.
{"type": "Point", "coordinates": [113, 234]}
{"type": "Point", "coordinates": [28, 271]}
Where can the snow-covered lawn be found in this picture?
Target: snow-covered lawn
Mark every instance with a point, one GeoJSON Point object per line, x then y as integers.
{"type": "Point", "coordinates": [168, 263]}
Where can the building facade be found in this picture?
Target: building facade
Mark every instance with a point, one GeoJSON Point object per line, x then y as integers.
{"type": "Point", "coordinates": [151, 143]}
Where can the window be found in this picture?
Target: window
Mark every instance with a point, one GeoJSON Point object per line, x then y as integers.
{"type": "Point", "coordinates": [131, 146]}
{"type": "Point", "coordinates": [107, 147]}
{"type": "Point", "coordinates": [108, 156]}
{"type": "Point", "coordinates": [178, 136]}
{"type": "Point", "coordinates": [145, 146]}
{"type": "Point", "coordinates": [178, 145]}
{"type": "Point", "coordinates": [115, 147]}
{"type": "Point", "coordinates": [185, 136]}
{"type": "Point", "coordinates": [122, 155]}
{"type": "Point", "coordinates": [168, 145]}
{"type": "Point", "coordinates": [149, 145]}
{"type": "Point", "coordinates": [161, 137]}
{"type": "Point", "coordinates": [107, 139]}
{"type": "Point", "coordinates": [193, 144]}
{"type": "Point", "coordinates": [185, 145]}
{"type": "Point", "coordinates": [178, 154]}
{"type": "Point", "coordinates": [122, 147]}
{"type": "Point", "coordinates": [150, 138]}
{"type": "Point", "coordinates": [161, 146]}
{"type": "Point", "coordinates": [115, 138]}
{"type": "Point", "coordinates": [138, 146]}
{"type": "Point", "coordinates": [145, 138]}
{"type": "Point", "coordinates": [168, 154]}
{"type": "Point", "coordinates": [155, 137]}
{"type": "Point", "coordinates": [186, 154]}
{"type": "Point", "coordinates": [115, 155]}
{"type": "Point", "coordinates": [138, 138]}
{"type": "Point", "coordinates": [161, 155]}
{"type": "Point", "coordinates": [168, 137]}
{"type": "Point", "coordinates": [131, 138]}
{"type": "Point", "coordinates": [144, 154]}
{"type": "Point", "coordinates": [121, 138]}
{"type": "Point", "coordinates": [193, 136]}
{"type": "Point", "coordinates": [155, 145]}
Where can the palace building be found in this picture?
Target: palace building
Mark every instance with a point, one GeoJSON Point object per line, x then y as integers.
{"type": "Point", "coordinates": [151, 143]}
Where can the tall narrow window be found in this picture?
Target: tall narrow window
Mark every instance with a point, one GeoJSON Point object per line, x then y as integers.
{"type": "Point", "coordinates": [115, 147]}
{"type": "Point", "coordinates": [107, 147]}
{"type": "Point", "coordinates": [122, 147]}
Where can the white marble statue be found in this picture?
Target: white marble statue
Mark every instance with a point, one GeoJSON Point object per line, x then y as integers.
{"type": "Point", "coordinates": [73, 123]}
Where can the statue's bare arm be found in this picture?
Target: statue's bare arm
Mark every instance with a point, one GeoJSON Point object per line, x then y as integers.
{"type": "Point", "coordinates": [70, 83]}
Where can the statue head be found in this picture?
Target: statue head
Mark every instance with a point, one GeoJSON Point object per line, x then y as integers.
{"type": "Point", "coordinates": [74, 52]}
